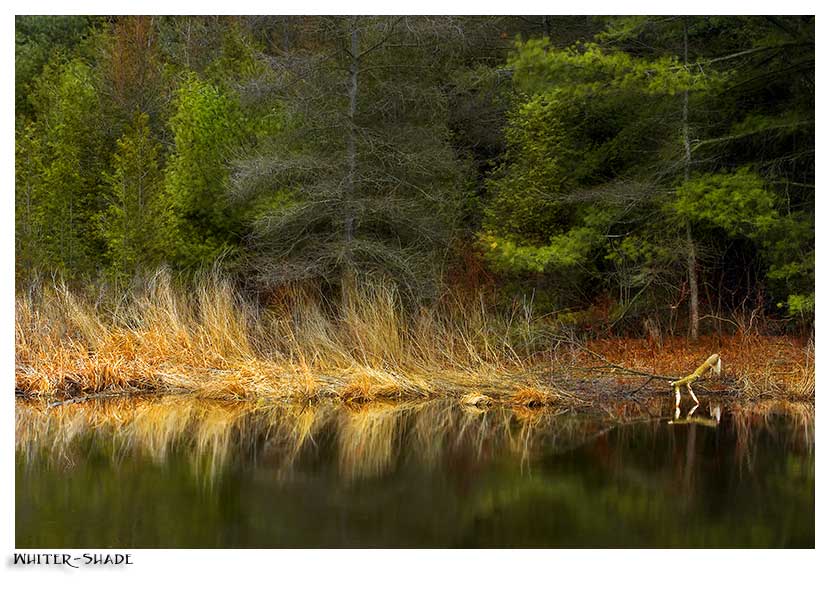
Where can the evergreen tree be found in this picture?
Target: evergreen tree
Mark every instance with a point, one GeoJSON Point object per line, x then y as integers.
{"type": "Point", "coordinates": [65, 156]}
{"type": "Point", "coordinates": [137, 225]}
{"type": "Point", "coordinates": [607, 139]}
{"type": "Point", "coordinates": [39, 40]}
{"type": "Point", "coordinates": [207, 127]}
{"type": "Point", "coordinates": [664, 164]}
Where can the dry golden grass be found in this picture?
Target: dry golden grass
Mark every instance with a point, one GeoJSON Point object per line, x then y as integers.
{"type": "Point", "coordinates": [231, 376]}
{"type": "Point", "coordinates": [207, 340]}
{"type": "Point", "coordinates": [533, 397]}
{"type": "Point", "coordinates": [476, 399]}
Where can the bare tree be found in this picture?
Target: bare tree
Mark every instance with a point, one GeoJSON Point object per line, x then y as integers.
{"type": "Point", "coordinates": [362, 158]}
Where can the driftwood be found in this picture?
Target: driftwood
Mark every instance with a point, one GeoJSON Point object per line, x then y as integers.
{"type": "Point", "coordinates": [713, 363]}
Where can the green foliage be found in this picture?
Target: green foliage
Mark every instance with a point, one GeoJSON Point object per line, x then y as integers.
{"type": "Point", "coordinates": [61, 169]}
{"type": "Point", "coordinates": [564, 156]}
{"type": "Point", "coordinates": [588, 70]}
{"type": "Point", "coordinates": [736, 203]}
{"type": "Point", "coordinates": [137, 225]}
{"type": "Point", "coordinates": [578, 124]}
{"type": "Point", "coordinates": [539, 153]}
{"type": "Point", "coordinates": [238, 60]}
{"type": "Point", "coordinates": [207, 126]}
{"type": "Point", "coordinates": [739, 204]}
{"type": "Point", "coordinates": [562, 252]}
{"type": "Point", "coordinates": [596, 118]}
{"type": "Point", "coordinates": [29, 154]}
{"type": "Point", "coordinates": [39, 39]}
{"type": "Point", "coordinates": [789, 249]}
{"type": "Point", "coordinates": [801, 305]}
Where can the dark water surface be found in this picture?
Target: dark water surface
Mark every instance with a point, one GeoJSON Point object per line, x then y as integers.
{"type": "Point", "coordinates": [433, 477]}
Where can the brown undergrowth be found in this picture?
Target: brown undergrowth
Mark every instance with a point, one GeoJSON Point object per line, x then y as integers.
{"type": "Point", "coordinates": [754, 366]}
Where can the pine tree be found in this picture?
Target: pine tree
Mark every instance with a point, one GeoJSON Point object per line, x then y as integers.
{"type": "Point", "coordinates": [65, 155]}
{"type": "Point", "coordinates": [137, 224]}
{"type": "Point", "coordinates": [607, 137]}
{"type": "Point", "coordinates": [207, 127]}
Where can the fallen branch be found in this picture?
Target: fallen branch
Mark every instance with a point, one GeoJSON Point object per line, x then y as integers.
{"type": "Point", "coordinates": [629, 371]}
{"type": "Point", "coordinates": [713, 363]}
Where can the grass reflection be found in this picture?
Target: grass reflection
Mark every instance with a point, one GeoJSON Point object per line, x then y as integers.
{"type": "Point", "coordinates": [366, 439]}
{"type": "Point", "coordinates": [182, 471]}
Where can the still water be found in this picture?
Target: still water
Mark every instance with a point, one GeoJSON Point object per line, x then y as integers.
{"type": "Point", "coordinates": [428, 475]}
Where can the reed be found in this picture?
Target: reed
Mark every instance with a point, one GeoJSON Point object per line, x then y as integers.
{"type": "Point", "coordinates": [204, 338]}
{"type": "Point", "coordinates": [207, 339]}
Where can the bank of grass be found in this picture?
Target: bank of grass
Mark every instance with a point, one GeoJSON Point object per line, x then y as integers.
{"type": "Point", "coordinates": [206, 339]}
{"type": "Point", "coordinates": [203, 338]}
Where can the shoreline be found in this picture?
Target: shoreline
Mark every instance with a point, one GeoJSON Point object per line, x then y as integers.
{"type": "Point", "coordinates": [207, 339]}
{"type": "Point", "coordinates": [576, 378]}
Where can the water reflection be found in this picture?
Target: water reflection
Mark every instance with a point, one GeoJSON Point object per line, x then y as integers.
{"type": "Point", "coordinates": [178, 471]}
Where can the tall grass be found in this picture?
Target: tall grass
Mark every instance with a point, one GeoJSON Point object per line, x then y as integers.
{"type": "Point", "coordinates": [206, 338]}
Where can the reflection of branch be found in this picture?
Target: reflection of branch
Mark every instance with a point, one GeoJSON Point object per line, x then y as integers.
{"type": "Point", "coordinates": [605, 430]}
{"type": "Point", "coordinates": [80, 399]}
{"type": "Point", "coordinates": [695, 421]}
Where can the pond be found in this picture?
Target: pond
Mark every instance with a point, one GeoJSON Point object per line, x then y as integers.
{"type": "Point", "coordinates": [429, 474]}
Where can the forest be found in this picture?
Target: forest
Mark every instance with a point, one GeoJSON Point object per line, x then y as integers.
{"type": "Point", "coordinates": [353, 203]}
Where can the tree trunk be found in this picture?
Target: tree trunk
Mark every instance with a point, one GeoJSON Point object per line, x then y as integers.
{"type": "Point", "coordinates": [351, 142]}
{"type": "Point", "coordinates": [691, 249]}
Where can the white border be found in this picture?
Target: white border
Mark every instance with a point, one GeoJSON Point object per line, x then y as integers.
{"type": "Point", "coordinates": [459, 571]}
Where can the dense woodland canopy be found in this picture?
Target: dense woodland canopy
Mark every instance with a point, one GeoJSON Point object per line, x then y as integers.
{"type": "Point", "coordinates": [621, 172]}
